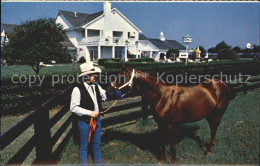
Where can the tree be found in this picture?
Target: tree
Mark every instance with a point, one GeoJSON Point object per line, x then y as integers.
{"type": "Point", "coordinates": [171, 52]}
{"type": "Point", "coordinates": [37, 41]}
{"type": "Point", "coordinates": [256, 49]}
{"type": "Point", "coordinates": [212, 50]}
{"type": "Point", "coordinates": [227, 53]}
{"type": "Point", "coordinates": [237, 49]}
{"type": "Point", "coordinates": [203, 51]}
{"type": "Point", "coordinates": [221, 45]}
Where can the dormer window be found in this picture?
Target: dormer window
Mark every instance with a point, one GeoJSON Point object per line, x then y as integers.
{"type": "Point", "coordinates": [131, 34]}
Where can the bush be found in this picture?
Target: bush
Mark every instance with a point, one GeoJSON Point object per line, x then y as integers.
{"type": "Point", "coordinates": [101, 62]}
{"type": "Point", "coordinates": [227, 53]}
{"type": "Point", "coordinates": [170, 53]}
{"type": "Point", "coordinates": [177, 67]}
{"type": "Point", "coordinates": [142, 60]}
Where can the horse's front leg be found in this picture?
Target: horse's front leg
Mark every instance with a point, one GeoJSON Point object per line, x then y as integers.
{"type": "Point", "coordinates": [163, 135]}
{"type": "Point", "coordinates": [173, 142]}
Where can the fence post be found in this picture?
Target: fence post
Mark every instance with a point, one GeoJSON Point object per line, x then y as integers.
{"type": "Point", "coordinates": [145, 110]}
{"type": "Point", "coordinates": [42, 134]}
{"type": "Point", "coordinates": [244, 84]}
{"type": "Point", "coordinates": [75, 130]}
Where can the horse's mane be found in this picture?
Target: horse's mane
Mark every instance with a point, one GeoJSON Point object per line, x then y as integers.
{"type": "Point", "coordinates": [152, 77]}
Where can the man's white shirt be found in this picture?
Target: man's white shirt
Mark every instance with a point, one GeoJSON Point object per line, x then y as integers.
{"type": "Point", "coordinates": [76, 97]}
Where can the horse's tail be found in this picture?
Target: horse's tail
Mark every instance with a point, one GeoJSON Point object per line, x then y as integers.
{"type": "Point", "coordinates": [232, 91]}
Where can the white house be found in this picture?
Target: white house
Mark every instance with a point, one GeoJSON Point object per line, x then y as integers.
{"type": "Point", "coordinates": [6, 29]}
{"type": "Point", "coordinates": [109, 34]}
{"type": "Point", "coordinates": [157, 48]}
{"type": "Point", "coordinates": [106, 34]}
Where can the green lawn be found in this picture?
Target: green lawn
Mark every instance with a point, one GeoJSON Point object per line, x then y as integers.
{"type": "Point", "coordinates": [11, 149]}
{"type": "Point", "coordinates": [64, 69]}
{"type": "Point", "coordinates": [134, 142]}
{"type": "Point", "coordinates": [50, 69]}
{"type": "Point", "coordinates": [237, 140]}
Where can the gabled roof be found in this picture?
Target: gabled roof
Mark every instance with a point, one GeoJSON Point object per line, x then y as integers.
{"type": "Point", "coordinates": [167, 44]}
{"type": "Point", "coordinates": [8, 28]}
{"type": "Point", "coordinates": [124, 17]}
{"type": "Point", "coordinates": [67, 43]}
{"type": "Point", "coordinates": [142, 37]}
{"type": "Point", "coordinates": [80, 19]}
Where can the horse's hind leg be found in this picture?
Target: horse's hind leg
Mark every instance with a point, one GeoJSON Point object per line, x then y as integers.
{"type": "Point", "coordinates": [214, 120]}
{"type": "Point", "coordinates": [173, 141]}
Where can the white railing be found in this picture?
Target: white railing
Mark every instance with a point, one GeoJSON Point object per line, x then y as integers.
{"type": "Point", "coordinates": [92, 39]}
{"type": "Point", "coordinates": [98, 39]}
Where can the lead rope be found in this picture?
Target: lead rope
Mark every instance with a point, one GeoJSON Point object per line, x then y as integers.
{"type": "Point", "coordinates": [93, 120]}
{"type": "Point", "coordinates": [92, 123]}
{"type": "Point", "coordinates": [112, 105]}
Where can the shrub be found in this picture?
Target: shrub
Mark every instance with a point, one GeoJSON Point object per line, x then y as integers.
{"type": "Point", "coordinates": [101, 62]}
{"type": "Point", "coordinates": [177, 67]}
{"type": "Point", "coordinates": [227, 53]}
{"type": "Point", "coordinates": [170, 53]}
{"type": "Point", "coordinates": [141, 60]}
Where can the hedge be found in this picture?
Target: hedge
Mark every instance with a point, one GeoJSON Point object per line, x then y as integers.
{"type": "Point", "coordinates": [114, 66]}
{"type": "Point", "coordinates": [101, 62]}
{"type": "Point", "coordinates": [141, 60]}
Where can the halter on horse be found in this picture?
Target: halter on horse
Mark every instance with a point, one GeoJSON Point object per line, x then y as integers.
{"type": "Point", "coordinates": [174, 105]}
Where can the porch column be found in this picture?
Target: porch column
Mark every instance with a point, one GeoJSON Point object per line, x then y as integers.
{"type": "Point", "coordinates": [100, 35]}
{"type": "Point", "coordinates": [86, 32]}
{"type": "Point", "coordinates": [99, 52]}
{"type": "Point", "coordinates": [113, 52]}
{"type": "Point", "coordinates": [126, 53]}
{"type": "Point", "coordinates": [87, 55]}
{"type": "Point", "coordinates": [151, 54]}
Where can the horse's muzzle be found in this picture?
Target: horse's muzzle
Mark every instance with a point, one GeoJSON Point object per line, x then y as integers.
{"type": "Point", "coordinates": [114, 94]}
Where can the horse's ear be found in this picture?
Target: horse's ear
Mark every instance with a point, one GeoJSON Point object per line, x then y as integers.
{"type": "Point", "coordinates": [125, 67]}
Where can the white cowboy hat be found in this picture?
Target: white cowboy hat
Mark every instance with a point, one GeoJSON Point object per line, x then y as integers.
{"type": "Point", "coordinates": [88, 68]}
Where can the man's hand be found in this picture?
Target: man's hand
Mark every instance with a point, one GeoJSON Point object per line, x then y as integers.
{"type": "Point", "coordinates": [94, 114]}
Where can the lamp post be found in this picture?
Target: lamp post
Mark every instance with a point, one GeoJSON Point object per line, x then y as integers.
{"type": "Point", "coordinates": [126, 43]}
{"type": "Point", "coordinates": [187, 40]}
{"type": "Point", "coordinates": [136, 45]}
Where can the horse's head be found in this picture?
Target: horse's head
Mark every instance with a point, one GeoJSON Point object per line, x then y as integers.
{"type": "Point", "coordinates": [122, 84]}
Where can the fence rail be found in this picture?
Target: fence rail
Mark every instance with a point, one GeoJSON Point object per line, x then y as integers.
{"type": "Point", "coordinates": [44, 142]}
{"type": "Point", "coordinates": [28, 103]}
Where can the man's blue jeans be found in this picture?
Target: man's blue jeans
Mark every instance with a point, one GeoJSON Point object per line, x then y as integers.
{"type": "Point", "coordinates": [95, 142]}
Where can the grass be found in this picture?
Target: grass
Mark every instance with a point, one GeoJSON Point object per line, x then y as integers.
{"type": "Point", "coordinates": [11, 149]}
{"type": "Point", "coordinates": [237, 140]}
{"type": "Point", "coordinates": [53, 69]}
{"type": "Point", "coordinates": [65, 69]}
{"type": "Point", "coordinates": [135, 142]}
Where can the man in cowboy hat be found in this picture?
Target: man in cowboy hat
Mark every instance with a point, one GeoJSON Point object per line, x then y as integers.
{"type": "Point", "coordinates": [86, 100]}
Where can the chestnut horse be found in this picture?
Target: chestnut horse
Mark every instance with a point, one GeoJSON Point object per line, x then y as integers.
{"type": "Point", "coordinates": [174, 105]}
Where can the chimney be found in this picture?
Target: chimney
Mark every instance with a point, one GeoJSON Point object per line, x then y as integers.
{"type": "Point", "coordinates": [107, 8]}
{"type": "Point", "coordinates": [162, 38]}
{"type": "Point", "coordinates": [75, 14]}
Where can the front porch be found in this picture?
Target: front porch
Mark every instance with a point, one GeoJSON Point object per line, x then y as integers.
{"type": "Point", "coordinates": [93, 53]}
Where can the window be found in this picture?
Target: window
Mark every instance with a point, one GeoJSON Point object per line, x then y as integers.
{"type": "Point", "coordinates": [118, 54]}
{"type": "Point", "coordinates": [131, 34]}
{"type": "Point", "coordinates": [93, 55]}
